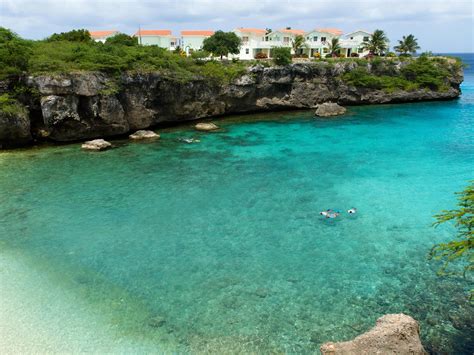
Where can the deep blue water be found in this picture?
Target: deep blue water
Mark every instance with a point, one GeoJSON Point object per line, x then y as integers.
{"type": "Point", "coordinates": [218, 246]}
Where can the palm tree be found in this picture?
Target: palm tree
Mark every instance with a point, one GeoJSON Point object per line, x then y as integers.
{"type": "Point", "coordinates": [408, 45]}
{"type": "Point", "coordinates": [378, 44]}
{"type": "Point", "coordinates": [298, 43]}
{"type": "Point", "coordinates": [334, 47]}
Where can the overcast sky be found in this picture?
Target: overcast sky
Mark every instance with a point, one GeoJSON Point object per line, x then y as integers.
{"type": "Point", "coordinates": [439, 25]}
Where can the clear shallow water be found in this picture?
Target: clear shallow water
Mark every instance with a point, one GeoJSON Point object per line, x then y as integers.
{"type": "Point", "coordinates": [218, 246]}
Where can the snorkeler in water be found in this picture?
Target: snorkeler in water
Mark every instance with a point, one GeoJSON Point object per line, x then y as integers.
{"type": "Point", "coordinates": [353, 210]}
{"type": "Point", "coordinates": [325, 213]}
{"type": "Point", "coordinates": [329, 213]}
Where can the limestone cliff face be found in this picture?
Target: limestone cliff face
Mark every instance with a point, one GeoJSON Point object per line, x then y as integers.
{"type": "Point", "coordinates": [81, 106]}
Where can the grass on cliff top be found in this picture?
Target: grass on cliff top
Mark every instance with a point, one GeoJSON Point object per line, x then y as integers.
{"type": "Point", "coordinates": [64, 57]}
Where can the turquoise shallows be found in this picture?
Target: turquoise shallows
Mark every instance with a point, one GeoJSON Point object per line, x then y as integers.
{"type": "Point", "coordinates": [219, 245]}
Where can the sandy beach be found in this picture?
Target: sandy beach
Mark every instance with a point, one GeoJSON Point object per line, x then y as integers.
{"type": "Point", "coordinates": [38, 316]}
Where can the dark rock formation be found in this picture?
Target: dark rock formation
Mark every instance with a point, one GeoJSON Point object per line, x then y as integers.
{"type": "Point", "coordinates": [80, 106]}
{"type": "Point", "coordinates": [392, 334]}
{"type": "Point", "coordinates": [328, 109]}
{"type": "Point", "coordinates": [14, 129]}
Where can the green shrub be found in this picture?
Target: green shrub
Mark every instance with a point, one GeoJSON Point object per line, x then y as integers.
{"type": "Point", "coordinates": [72, 36]}
{"type": "Point", "coordinates": [10, 106]}
{"type": "Point", "coordinates": [423, 72]}
{"type": "Point", "coordinates": [14, 53]}
{"type": "Point", "coordinates": [281, 55]}
{"type": "Point", "coordinates": [426, 72]}
{"type": "Point", "coordinates": [200, 56]}
{"type": "Point", "coordinates": [360, 77]}
{"type": "Point", "coordinates": [122, 39]}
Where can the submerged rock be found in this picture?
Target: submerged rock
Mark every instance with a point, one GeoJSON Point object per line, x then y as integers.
{"type": "Point", "coordinates": [96, 144]}
{"type": "Point", "coordinates": [262, 292]}
{"type": "Point", "coordinates": [143, 134]}
{"type": "Point", "coordinates": [202, 126]}
{"type": "Point", "coordinates": [156, 322]}
{"type": "Point", "coordinates": [392, 334]}
{"type": "Point", "coordinates": [328, 109]}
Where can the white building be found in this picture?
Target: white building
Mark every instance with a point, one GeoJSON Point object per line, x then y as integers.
{"type": "Point", "coordinates": [101, 36]}
{"type": "Point", "coordinates": [317, 41]}
{"type": "Point", "coordinates": [352, 43]}
{"type": "Point", "coordinates": [160, 38]}
{"type": "Point", "coordinates": [192, 40]}
{"type": "Point", "coordinates": [253, 42]}
{"type": "Point", "coordinates": [257, 43]}
{"type": "Point", "coordinates": [283, 38]}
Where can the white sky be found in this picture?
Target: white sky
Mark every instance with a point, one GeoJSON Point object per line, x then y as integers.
{"type": "Point", "coordinates": [439, 25]}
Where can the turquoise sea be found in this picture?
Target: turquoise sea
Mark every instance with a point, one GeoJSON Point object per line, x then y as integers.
{"type": "Point", "coordinates": [218, 246]}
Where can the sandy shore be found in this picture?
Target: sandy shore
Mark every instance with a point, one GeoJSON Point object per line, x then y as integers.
{"type": "Point", "coordinates": [37, 316]}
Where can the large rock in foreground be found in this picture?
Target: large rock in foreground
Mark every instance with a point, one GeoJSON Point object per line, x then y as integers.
{"type": "Point", "coordinates": [392, 334]}
{"type": "Point", "coordinates": [96, 144]}
{"type": "Point", "coordinates": [328, 109]}
{"type": "Point", "coordinates": [142, 134]}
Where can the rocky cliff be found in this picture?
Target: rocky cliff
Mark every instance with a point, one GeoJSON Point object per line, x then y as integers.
{"type": "Point", "coordinates": [81, 106]}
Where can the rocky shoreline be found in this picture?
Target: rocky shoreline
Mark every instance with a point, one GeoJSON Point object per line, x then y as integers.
{"type": "Point", "coordinates": [83, 106]}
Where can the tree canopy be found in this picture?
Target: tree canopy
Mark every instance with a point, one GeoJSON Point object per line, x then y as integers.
{"type": "Point", "coordinates": [71, 36]}
{"type": "Point", "coordinates": [297, 43]}
{"type": "Point", "coordinates": [122, 39]}
{"type": "Point", "coordinates": [462, 246]}
{"type": "Point", "coordinates": [222, 43]}
{"type": "Point", "coordinates": [334, 47]}
{"type": "Point", "coordinates": [377, 44]}
{"type": "Point", "coordinates": [15, 53]}
{"type": "Point", "coordinates": [407, 45]}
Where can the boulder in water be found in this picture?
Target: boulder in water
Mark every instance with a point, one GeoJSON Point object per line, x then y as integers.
{"type": "Point", "coordinates": [328, 109]}
{"type": "Point", "coordinates": [206, 126]}
{"type": "Point", "coordinates": [392, 334]}
{"type": "Point", "coordinates": [143, 134]}
{"type": "Point", "coordinates": [96, 144]}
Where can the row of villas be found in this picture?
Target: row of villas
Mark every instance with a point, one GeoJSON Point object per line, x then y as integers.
{"type": "Point", "coordinates": [254, 40]}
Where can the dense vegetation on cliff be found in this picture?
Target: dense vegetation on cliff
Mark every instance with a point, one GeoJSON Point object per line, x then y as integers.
{"type": "Point", "coordinates": [390, 75]}
{"type": "Point", "coordinates": [74, 51]}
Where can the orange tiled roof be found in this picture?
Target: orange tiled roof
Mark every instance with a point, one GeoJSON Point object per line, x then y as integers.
{"type": "Point", "coordinates": [252, 30]}
{"type": "Point", "coordinates": [333, 31]}
{"type": "Point", "coordinates": [294, 32]}
{"type": "Point", "coordinates": [99, 34]}
{"type": "Point", "coordinates": [197, 33]}
{"type": "Point", "coordinates": [153, 33]}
